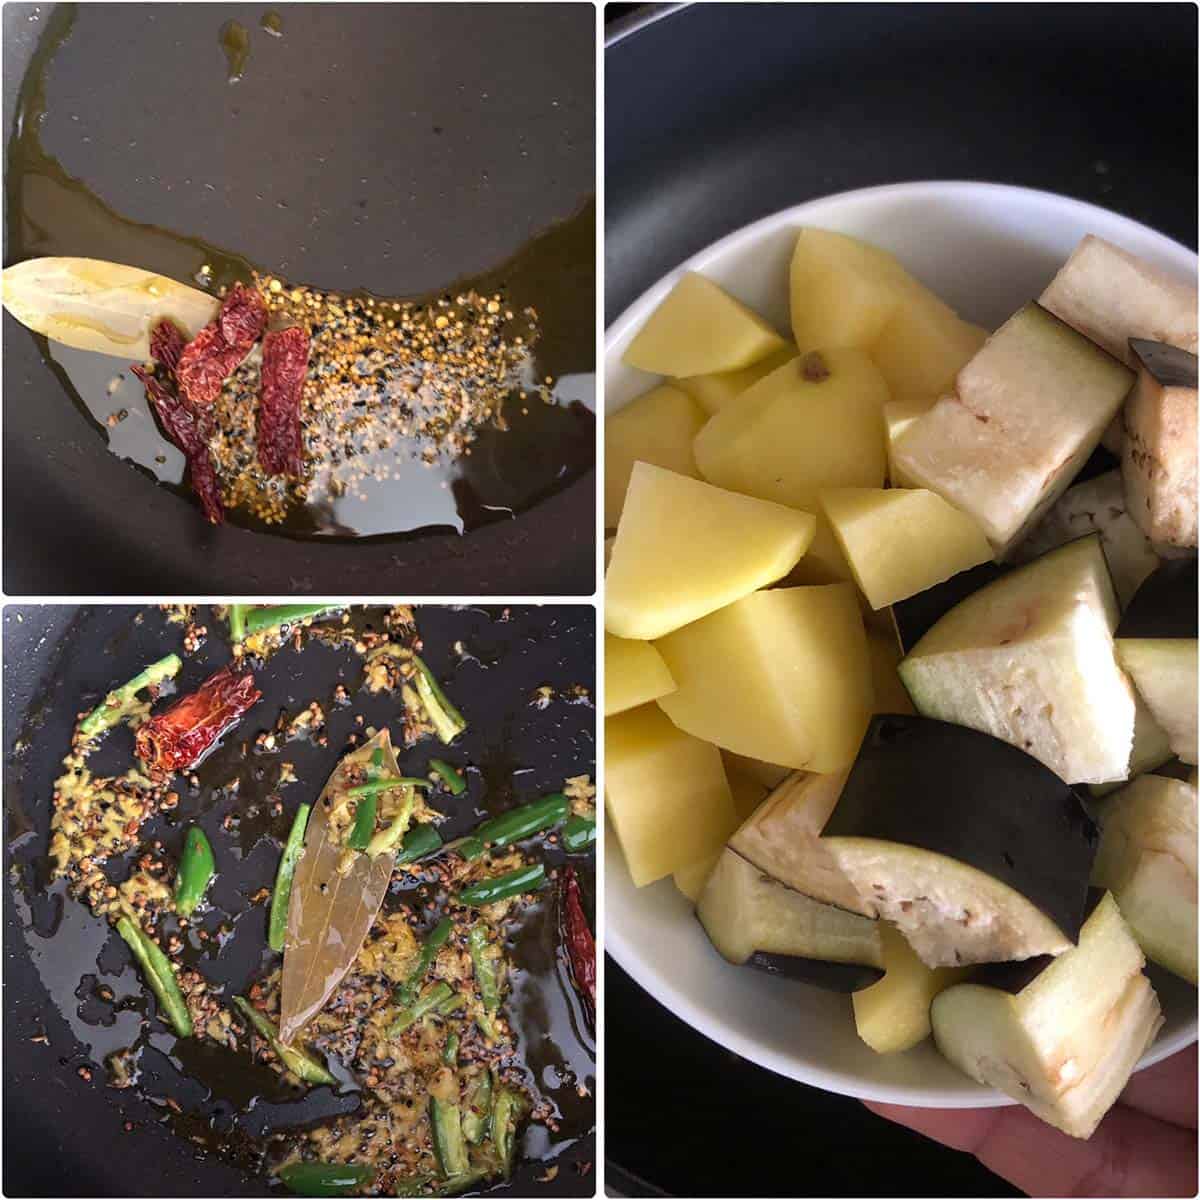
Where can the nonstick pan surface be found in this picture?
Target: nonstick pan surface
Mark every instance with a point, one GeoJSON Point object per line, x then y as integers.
{"type": "Point", "coordinates": [717, 115]}
{"type": "Point", "coordinates": [66, 1135]}
{"type": "Point", "coordinates": [393, 148]}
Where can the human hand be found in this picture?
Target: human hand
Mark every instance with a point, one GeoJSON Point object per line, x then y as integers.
{"type": "Point", "coordinates": [1145, 1146]}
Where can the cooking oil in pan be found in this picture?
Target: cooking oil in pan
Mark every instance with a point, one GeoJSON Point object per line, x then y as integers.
{"type": "Point", "coordinates": [539, 439]}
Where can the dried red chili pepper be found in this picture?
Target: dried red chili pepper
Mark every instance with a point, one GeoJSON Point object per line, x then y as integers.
{"type": "Point", "coordinates": [577, 935]}
{"type": "Point", "coordinates": [166, 344]}
{"type": "Point", "coordinates": [184, 426]}
{"type": "Point", "coordinates": [284, 367]}
{"type": "Point", "coordinates": [219, 348]}
{"type": "Point", "coordinates": [180, 736]}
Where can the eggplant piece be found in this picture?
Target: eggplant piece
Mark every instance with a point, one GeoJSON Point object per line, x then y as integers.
{"type": "Point", "coordinates": [1064, 1043]}
{"type": "Point", "coordinates": [756, 921]}
{"type": "Point", "coordinates": [1029, 659]}
{"type": "Point", "coordinates": [916, 616]}
{"type": "Point", "coordinates": [1165, 605]}
{"type": "Point", "coordinates": [782, 839]}
{"type": "Point", "coordinates": [1147, 859]}
{"type": "Point", "coordinates": [1096, 506]}
{"type": "Point", "coordinates": [1024, 417]}
{"type": "Point", "coordinates": [1164, 672]}
{"type": "Point", "coordinates": [1158, 457]}
{"type": "Point", "coordinates": [1151, 748]}
{"type": "Point", "coordinates": [972, 848]}
{"type": "Point", "coordinates": [893, 1015]}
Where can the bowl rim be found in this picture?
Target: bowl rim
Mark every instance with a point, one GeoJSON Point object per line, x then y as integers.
{"type": "Point", "coordinates": [649, 976]}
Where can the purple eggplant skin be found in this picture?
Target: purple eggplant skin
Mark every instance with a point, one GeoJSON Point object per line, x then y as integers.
{"type": "Point", "coordinates": [1169, 366]}
{"type": "Point", "coordinates": [1027, 828]}
{"type": "Point", "coordinates": [1165, 605]}
{"type": "Point", "coordinates": [829, 976]}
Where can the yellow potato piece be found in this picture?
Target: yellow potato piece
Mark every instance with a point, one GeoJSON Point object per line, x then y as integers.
{"type": "Point", "coordinates": [781, 675]}
{"type": "Point", "coordinates": [891, 696]}
{"type": "Point", "coordinates": [665, 793]}
{"type": "Point", "coordinates": [685, 549]}
{"type": "Point", "coordinates": [634, 673]}
{"type": "Point", "coordinates": [898, 415]}
{"type": "Point", "coordinates": [690, 880]}
{"type": "Point", "coordinates": [814, 423]}
{"type": "Point", "coordinates": [713, 392]}
{"type": "Point", "coordinates": [824, 561]}
{"type": "Point", "coordinates": [658, 427]}
{"type": "Point", "coordinates": [698, 329]}
{"type": "Point", "coordinates": [893, 1014]}
{"type": "Point", "coordinates": [766, 775]}
{"type": "Point", "coordinates": [900, 541]}
{"type": "Point", "coordinates": [843, 291]}
{"type": "Point", "coordinates": [923, 347]}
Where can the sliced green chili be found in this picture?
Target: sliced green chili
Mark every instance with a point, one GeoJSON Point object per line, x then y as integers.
{"type": "Point", "coordinates": [386, 840]}
{"type": "Point", "coordinates": [281, 897]}
{"type": "Point", "coordinates": [419, 842]}
{"type": "Point", "coordinates": [449, 1145]}
{"type": "Point", "coordinates": [326, 1179]}
{"type": "Point", "coordinates": [501, 887]}
{"type": "Point", "coordinates": [295, 1060]}
{"type": "Point", "coordinates": [422, 1006]}
{"type": "Point", "coordinates": [237, 623]}
{"type": "Point", "coordinates": [457, 1001]}
{"type": "Point", "coordinates": [116, 705]}
{"type": "Point", "coordinates": [446, 719]}
{"type": "Point", "coordinates": [375, 786]}
{"type": "Point", "coordinates": [270, 616]}
{"type": "Point", "coordinates": [514, 825]}
{"type": "Point", "coordinates": [439, 935]}
{"type": "Point", "coordinates": [196, 870]}
{"type": "Point", "coordinates": [479, 1110]}
{"type": "Point", "coordinates": [160, 974]}
{"type": "Point", "coordinates": [507, 1112]}
{"type": "Point", "coordinates": [451, 776]}
{"type": "Point", "coordinates": [578, 833]}
{"type": "Point", "coordinates": [450, 1051]}
{"type": "Point", "coordinates": [485, 968]}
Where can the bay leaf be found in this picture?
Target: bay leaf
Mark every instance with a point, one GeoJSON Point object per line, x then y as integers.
{"type": "Point", "coordinates": [95, 305]}
{"type": "Point", "coordinates": [330, 915]}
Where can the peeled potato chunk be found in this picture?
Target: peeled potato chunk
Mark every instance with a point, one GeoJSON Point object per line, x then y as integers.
{"type": "Point", "coordinates": [816, 422]}
{"type": "Point", "coordinates": [665, 793]}
{"type": "Point", "coordinates": [685, 549]}
{"type": "Point", "coordinates": [698, 329]}
{"type": "Point", "coordinates": [900, 542]}
{"type": "Point", "coordinates": [843, 291]}
{"type": "Point", "coordinates": [781, 675]}
{"type": "Point", "coordinates": [713, 392]}
{"type": "Point", "coordinates": [891, 696]}
{"type": "Point", "coordinates": [658, 427]}
{"type": "Point", "coordinates": [634, 673]}
{"type": "Point", "coordinates": [923, 347]}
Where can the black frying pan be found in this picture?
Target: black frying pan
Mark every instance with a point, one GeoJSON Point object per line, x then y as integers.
{"type": "Point", "coordinates": [716, 115]}
{"type": "Point", "coordinates": [397, 149]}
{"type": "Point", "coordinates": [64, 1135]}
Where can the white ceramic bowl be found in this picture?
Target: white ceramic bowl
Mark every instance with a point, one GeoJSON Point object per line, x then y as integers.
{"type": "Point", "coordinates": [986, 249]}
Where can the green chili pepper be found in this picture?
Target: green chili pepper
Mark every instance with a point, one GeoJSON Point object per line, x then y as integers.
{"type": "Point", "coordinates": [514, 825]}
{"type": "Point", "coordinates": [282, 896]}
{"type": "Point", "coordinates": [439, 935]}
{"type": "Point", "coordinates": [385, 841]}
{"type": "Point", "coordinates": [160, 974]}
{"type": "Point", "coordinates": [424, 1005]}
{"type": "Point", "coordinates": [237, 623]}
{"type": "Point", "coordinates": [479, 1110]}
{"type": "Point", "coordinates": [419, 842]}
{"type": "Point", "coordinates": [446, 719]}
{"type": "Point", "coordinates": [116, 705]}
{"type": "Point", "coordinates": [450, 1051]}
{"type": "Point", "coordinates": [365, 815]}
{"type": "Point", "coordinates": [270, 616]}
{"type": "Point", "coordinates": [485, 968]}
{"type": "Point", "coordinates": [507, 1112]}
{"type": "Point", "coordinates": [500, 887]}
{"type": "Point", "coordinates": [452, 777]}
{"type": "Point", "coordinates": [296, 1061]}
{"type": "Point", "coordinates": [449, 1145]}
{"type": "Point", "coordinates": [375, 786]}
{"type": "Point", "coordinates": [578, 833]}
{"type": "Point", "coordinates": [486, 1026]}
{"type": "Point", "coordinates": [326, 1179]}
{"type": "Point", "coordinates": [196, 870]}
